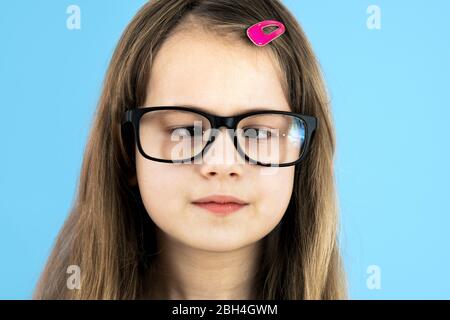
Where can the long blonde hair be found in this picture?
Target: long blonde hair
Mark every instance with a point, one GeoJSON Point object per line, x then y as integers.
{"type": "Point", "coordinates": [108, 233]}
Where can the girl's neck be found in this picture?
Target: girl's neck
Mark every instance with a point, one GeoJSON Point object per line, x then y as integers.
{"type": "Point", "coordinates": [182, 272]}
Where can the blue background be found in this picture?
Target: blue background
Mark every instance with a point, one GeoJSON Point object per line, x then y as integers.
{"type": "Point", "coordinates": [389, 91]}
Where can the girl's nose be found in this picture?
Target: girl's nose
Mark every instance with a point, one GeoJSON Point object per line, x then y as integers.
{"type": "Point", "coordinates": [222, 150]}
{"type": "Point", "coordinates": [221, 156]}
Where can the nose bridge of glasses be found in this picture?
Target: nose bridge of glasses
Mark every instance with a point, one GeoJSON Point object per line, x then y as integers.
{"type": "Point", "coordinates": [227, 122]}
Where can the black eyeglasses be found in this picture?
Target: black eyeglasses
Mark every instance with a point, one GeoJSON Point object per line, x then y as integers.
{"type": "Point", "coordinates": [177, 134]}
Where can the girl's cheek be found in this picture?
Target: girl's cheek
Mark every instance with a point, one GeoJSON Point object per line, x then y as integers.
{"type": "Point", "coordinates": [163, 183]}
{"type": "Point", "coordinates": [277, 189]}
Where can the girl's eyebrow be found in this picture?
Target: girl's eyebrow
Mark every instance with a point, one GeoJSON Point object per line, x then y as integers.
{"type": "Point", "coordinates": [208, 111]}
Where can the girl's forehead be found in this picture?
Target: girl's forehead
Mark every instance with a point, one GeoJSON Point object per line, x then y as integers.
{"type": "Point", "coordinates": [201, 69]}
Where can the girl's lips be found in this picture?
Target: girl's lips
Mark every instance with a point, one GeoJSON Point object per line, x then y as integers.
{"type": "Point", "coordinates": [218, 198]}
{"type": "Point", "coordinates": [220, 208]}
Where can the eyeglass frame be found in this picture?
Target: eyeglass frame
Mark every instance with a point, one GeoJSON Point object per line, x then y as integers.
{"type": "Point", "coordinates": [133, 116]}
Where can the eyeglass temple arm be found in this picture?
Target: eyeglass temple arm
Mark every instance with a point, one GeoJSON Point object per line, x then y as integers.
{"type": "Point", "coordinates": [127, 117]}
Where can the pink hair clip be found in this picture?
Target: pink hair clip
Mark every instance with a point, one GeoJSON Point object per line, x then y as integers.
{"type": "Point", "coordinates": [257, 35]}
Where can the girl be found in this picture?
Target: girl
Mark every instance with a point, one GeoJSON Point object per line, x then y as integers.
{"type": "Point", "coordinates": [147, 223]}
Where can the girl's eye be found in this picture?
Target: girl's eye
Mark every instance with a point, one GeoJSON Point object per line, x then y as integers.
{"type": "Point", "coordinates": [257, 133]}
{"type": "Point", "coordinates": [185, 131]}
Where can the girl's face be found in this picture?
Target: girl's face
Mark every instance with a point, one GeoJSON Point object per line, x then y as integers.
{"type": "Point", "coordinates": [225, 79]}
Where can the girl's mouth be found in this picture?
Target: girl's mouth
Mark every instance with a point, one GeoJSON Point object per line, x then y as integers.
{"type": "Point", "coordinates": [220, 208]}
{"type": "Point", "coordinates": [221, 204]}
